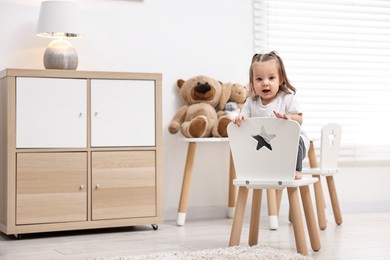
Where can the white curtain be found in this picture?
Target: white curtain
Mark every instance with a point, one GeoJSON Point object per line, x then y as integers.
{"type": "Point", "coordinates": [337, 55]}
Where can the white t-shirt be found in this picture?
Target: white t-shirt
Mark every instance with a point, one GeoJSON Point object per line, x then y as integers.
{"type": "Point", "coordinates": [283, 103]}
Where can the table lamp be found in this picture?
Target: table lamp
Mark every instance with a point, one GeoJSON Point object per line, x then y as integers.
{"type": "Point", "coordinates": [59, 20]}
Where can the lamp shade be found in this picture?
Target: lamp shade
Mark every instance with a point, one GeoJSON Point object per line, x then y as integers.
{"type": "Point", "coordinates": [59, 19]}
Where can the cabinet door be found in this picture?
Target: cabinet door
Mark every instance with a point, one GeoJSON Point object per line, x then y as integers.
{"type": "Point", "coordinates": [123, 184]}
{"type": "Point", "coordinates": [51, 112]}
{"type": "Point", "coordinates": [51, 187]}
{"type": "Point", "coordinates": [123, 113]}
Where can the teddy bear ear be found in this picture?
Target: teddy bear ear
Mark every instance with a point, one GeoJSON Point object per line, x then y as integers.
{"type": "Point", "coordinates": [226, 91]}
{"type": "Point", "coordinates": [180, 83]}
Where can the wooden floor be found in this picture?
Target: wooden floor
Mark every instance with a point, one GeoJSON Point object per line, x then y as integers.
{"type": "Point", "coordinates": [361, 236]}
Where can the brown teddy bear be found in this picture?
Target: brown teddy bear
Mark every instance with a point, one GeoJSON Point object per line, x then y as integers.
{"type": "Point", "coordinates": [232, 101]}
{"type": "Point", "coordinates": [198, 117]}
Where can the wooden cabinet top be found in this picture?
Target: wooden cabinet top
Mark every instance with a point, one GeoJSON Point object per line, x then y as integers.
{"type": "Point", "coordinates": [79, 74]}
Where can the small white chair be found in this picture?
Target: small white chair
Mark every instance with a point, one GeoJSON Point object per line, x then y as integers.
{"type": "Point", "coordinates": [329, 152]}
{"type": "Point", "coordinates": [264, 152]}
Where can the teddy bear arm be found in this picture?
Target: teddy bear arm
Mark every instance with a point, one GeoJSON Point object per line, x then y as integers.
{"type": "Point", "coordinates": [177, 120]}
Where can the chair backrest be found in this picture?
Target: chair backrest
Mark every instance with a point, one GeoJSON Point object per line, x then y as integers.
{"type": "Point", "coordinates": [330, 146]}
{"type": "Point", "coordinates": [264, 148]}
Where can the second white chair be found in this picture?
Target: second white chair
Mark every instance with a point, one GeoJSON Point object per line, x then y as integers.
{"type": "Point", "coordinates": [328, 166]}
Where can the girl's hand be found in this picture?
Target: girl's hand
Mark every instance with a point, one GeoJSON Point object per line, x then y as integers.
{"type": "Point", "coordinates": [295, 117]}
{"type": "Point", "coordinates": [238, 119]}
{"type": "Point", "coordinates": [279, 115]}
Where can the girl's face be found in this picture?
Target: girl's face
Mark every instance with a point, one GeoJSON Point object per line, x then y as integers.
{"type": "Point", "coordinates": [266, 80]}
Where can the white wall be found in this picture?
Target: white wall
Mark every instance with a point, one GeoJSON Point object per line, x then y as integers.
{"type": "Point", "coordinates": [180, 39]}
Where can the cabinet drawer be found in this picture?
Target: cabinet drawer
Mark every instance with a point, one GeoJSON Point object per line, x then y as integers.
{"type": "Point", "coordinates": [51, 112]}
{"type": "Point", "coordinates": [123, 113]}
{"type": "Point", "coordinates": [123, 184]}
{"type": "Point", "coordinates": [51, 187]}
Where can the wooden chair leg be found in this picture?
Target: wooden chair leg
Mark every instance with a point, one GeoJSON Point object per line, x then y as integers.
{"type": "Point", "coordinates": [279, 194]}
{"type": "Point", "coordinates": [185, 188]}
{"type": "Point", "coordinates": [310, 218]}
{"type": "Point", "coordinates": [290, 215]}
{"type": "Point", "coordinates": [311, 154]}
{"type": "Point", "coordinates": [232, 189]}
{"type": "Point", "coordinates": [320, 203]}
{"type": "Point", "coordinates": [334, 200]}
{"type": "Point", "coordinates": [319, 194]}
{"type": "Point", "coordinates": [272, 209]}
{"type": "Point", "coordinates": [299, 233]}
{"type": "Point", "coordinates": [255, 217]}
{"type": "Point", "coordinates": [235, 234]}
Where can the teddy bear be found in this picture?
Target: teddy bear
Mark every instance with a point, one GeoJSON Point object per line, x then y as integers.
{"type": "Point", "coordinates": [230, 106]}
{"type": "Point", "coordinates": [198, 117]}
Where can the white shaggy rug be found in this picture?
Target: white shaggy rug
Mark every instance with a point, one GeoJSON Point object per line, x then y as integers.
{"type": "Point", "coordinates": [238, 252]}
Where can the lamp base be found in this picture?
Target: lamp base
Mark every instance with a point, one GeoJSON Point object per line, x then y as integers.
{"type": "Point", "coordinates": [61, 55]}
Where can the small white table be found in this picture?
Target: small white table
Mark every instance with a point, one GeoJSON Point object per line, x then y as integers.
{"type": "Point", "coordinates": [185, 188]}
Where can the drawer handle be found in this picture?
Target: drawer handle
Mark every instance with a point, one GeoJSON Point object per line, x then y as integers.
{"type": "Point", "coordinates": [97, 186]}
{"type": "Point", "coordinates": [81, 187]}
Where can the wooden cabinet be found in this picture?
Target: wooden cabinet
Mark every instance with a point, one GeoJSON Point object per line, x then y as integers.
{"type": "Point", "coordinates": [79, 149]}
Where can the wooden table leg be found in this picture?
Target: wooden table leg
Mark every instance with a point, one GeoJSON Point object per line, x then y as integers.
{"type": "Point", "coordinates": [318, 192]}
{"type": "Point", "coordinates": [232, 188]}
{"type": "Point", "coordinates": [185, 188]}
{"type": "Point", "coordinates": [272, 209]}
